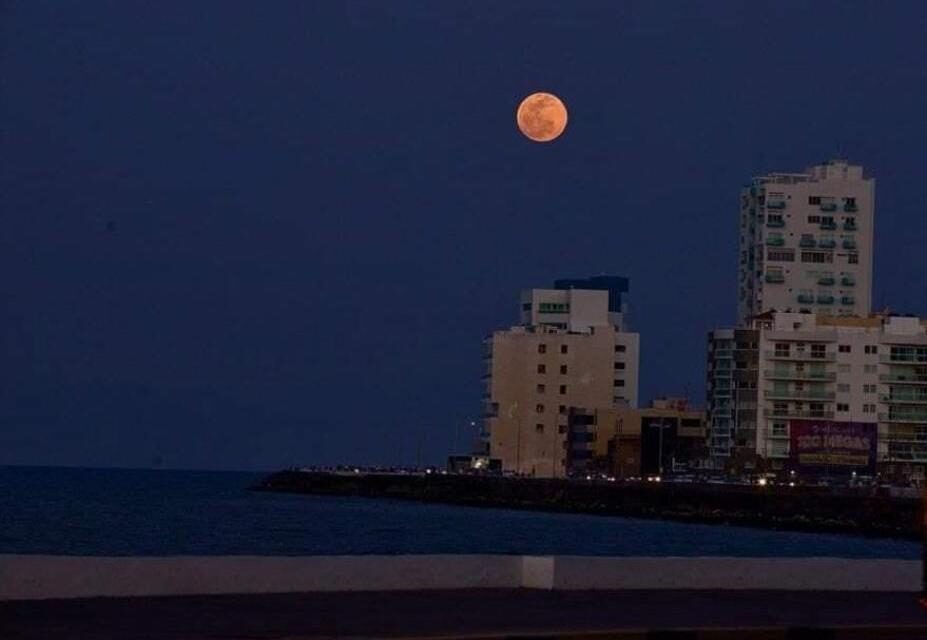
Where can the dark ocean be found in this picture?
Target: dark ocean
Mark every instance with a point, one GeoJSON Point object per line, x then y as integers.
{"type": "Point", "coordinates": [156, 513]}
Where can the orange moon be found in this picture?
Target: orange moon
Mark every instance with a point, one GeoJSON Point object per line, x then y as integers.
{"type": "Point", "coordinates": [542, 117]}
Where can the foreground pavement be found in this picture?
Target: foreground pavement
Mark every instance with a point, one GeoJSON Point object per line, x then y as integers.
{"type": "Point", "coordinates": [486, 613]}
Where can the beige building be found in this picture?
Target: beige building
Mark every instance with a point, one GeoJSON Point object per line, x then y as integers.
{"type": "Point", "coordinates": [833, 369]}
{"type": "Point", "coordinates": [567, 353]}
{"type": "Point", "coordinates": [806, 242]}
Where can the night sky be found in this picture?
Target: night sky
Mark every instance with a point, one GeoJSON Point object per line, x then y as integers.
{"type": "Point", "coordinates": [249, 235]}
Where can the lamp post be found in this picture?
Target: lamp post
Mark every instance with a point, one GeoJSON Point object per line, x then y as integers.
{"type": "Point", "coordinates": [661, 425]}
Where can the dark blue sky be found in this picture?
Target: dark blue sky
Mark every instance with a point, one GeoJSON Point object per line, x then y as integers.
{"type": "Point", "coordinates": [245, 235]}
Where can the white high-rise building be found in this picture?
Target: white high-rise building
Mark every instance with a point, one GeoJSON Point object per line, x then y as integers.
{"type": "Point", "coordinates": [570, 352]}
{"type": "Point", "coordinates": [806, 242]}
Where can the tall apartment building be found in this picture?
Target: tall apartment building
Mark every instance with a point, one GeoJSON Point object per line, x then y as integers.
{"type": "Point", "coordinates": [732, 394]}
{"type": "Point", "coordinates": [838, 376]}
{"type": "Point", "coordinates": [806, 242]}
{"type": "Point", "coordinates": [570, 350]}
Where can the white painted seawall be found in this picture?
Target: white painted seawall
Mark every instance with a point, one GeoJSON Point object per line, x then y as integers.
{"type": "Point", "coordinates": [26, 577]}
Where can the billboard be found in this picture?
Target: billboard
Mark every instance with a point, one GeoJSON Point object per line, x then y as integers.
{"type": "Point", "coordinates": [833, 446]}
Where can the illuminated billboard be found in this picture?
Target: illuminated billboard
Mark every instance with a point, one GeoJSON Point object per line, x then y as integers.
{"type": "Point", "coordinates": [833, 446]}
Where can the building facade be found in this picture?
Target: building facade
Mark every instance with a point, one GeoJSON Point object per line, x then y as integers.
{"type": "Point", "coordinates": [569, 351]}
{"type": "Point", "coordinates": [806, 242]}
{"type": "Point", "coordinates": [667, 437]}
{"type": "Point", "coordinates": [829, 372]}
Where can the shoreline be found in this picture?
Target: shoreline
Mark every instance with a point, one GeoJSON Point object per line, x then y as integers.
{"type": "Point", "coordinates": [798, 509]}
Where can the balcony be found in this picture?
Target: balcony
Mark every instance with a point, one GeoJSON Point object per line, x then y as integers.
{"type": "Point", "coordinates": [912, 417]}
{"type": "Point", "coordinates": [850, 225]}
{"type": "Point", "coordinates": [897, 378]}
{"type": "Point", "coordinates": [826, 356]}
{"type": "Point", "coordinates": [796, 413]}
{"type": "Point", "coordinates": [827, 243]}
{"type": "Point", "coordinates": [779, 434]}
{"type": "Point", "coordinates": [807, 242]}
{"type": "Point", "coordinates": [719, 354]}
{"type": "Point", "coordinates": [903, 398]}
{"type": "Point", "coordinates": [775, 241]}
{"type": "Point", "coordinates": [775, 277]}
{"type": "Point", "coordinates": [826, 281]}
{"type": "Point", "coordinates": [848, 281]}
{"type": "Point", "coordinates": [828, 206]}
{"type": "Point", "coordinates": [800, 395]}
{"type": "Point", "coordinates": [828, 225]}
{"type": "Point", "coordinates": [825, 299]}
{"type": "Point", "coordinates": [847, 300]}
{"type": "Point", "coordinates": [792, 374]}
{"type": "Point", "coordinates": [805, 298]}
{"type": "Point", "coordinates": [850, 207]}
{"type": "Point", "coordinates": [904, 360]}
{"type": "Point", "coordinates": [850, 245]}
{"type": "Point", "coordinates": [778, 205]}
{"type": "Point", "coordinates": [775, 223]}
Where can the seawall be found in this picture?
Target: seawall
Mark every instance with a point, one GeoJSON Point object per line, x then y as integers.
{"type": "Point", "coordinates": [775, 507]}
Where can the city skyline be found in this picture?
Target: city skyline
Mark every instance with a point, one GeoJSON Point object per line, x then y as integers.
{"type": "Point", "coordinates": [290, 269]}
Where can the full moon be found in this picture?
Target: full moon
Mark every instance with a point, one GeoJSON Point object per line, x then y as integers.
{"type": "Point", "coordinates": [542, 117]}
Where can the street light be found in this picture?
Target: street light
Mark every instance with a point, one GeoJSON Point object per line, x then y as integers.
{"type": "Point", "coordinates": [661, 425]}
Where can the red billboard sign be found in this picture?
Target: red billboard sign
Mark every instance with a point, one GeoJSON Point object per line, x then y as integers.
{"type": "Point", "coordinates": [825, 444]}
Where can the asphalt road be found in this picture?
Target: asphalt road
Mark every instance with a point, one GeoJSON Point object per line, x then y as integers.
{"type": "Point", "coordinates": [458, 613]}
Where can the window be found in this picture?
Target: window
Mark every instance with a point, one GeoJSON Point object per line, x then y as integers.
{"type": "Point", "coordinates": [814, 199]}
{"type": "Point", "coordinates": [844, 348]}
{"type": "Point", "coordinates": [780, 255]}
{"type": "Point", "coordinates": [818, 351]}
{"type": "Point", "coordinates": [553, 307]}
{"type": "Point", "coordinates": [619, 366]}
{"type": "Point", "coordinates": [620, 348]}
{"type": "Point", "coordinates": [869, 408]}
{"type": "Point", "coordinates": [562, 409]}
{"type": "Point", "coordinates": [843, 368]}
{"type": "Point", "coordinates": [540, 388]}
{"type": "Point", "coordinates": [542, 368]}
{"type": "Point", "coordinates": [870, 368]}
{"type": "Point", "coordinates": [539, 408]}
{"type": "Point", "coordinates": [853, 258]}
{"type": "Point", "coordinates": [843, 388]}
{"type": "Point", "coordinates": [539, 428]}
{"type": "Point", "coordinates": [869, 388]}
{"type": "Point", "coordinates": [542, 348]}
{"type": "Point", "coordinates": [563, 369]}
{"type": "Point", "coordinates": [842, 407]}
{"type": "Point", "coordinates": [563, 348]}
{"type": "Point", "coordinates": [814, 219]}
{"type": "Point", "coordinates": [526, 306]}
{"type": "Point", "coordinates": [871, 348]}
{"type": "Point", "coordinates": [619, 383]}
{"type": "Point", "coordinates": [563, 389]}
{"type": "Point", "coordinates": [816, 257]}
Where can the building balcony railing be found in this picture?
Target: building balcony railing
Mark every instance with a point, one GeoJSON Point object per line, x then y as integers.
{"type": "Point", "coordinates": [825, 299]}
{"type": "Point", "coordinates": [826, 281]}
{"type": "Point", "coordinates": [848, 281]}
{"type": "Point", "coordinates": [896, 378]}
{"type": "Point", "coordinates": [778, 205]}
{"type": "Point", "coordinates": [775, 223]}
{"type": "Point", "coordinates": [849, 245]}
{"type": "Point", "coordinates": [775, 241]}
{"type": "Point", "coordinates": [827, 243]}
{"type": "Point", "coordinates": [807, 242]}
{"type": "Point", "coordinates": [791, 374]}
{"type": "Point", "coordinates": [847, 300]}
{"type": "Point", "coordinates": [827, 356]}
{"type": "Point", "coordinates": [800, 395]}
{"type": "Point", "coordinates": [805, 298]}
{"type": "Point", "coordinates": [795, 413]}
{"type": "Point", "coordinates": [850, 226]}
{"type": "Point", "coordinates": [828, 206]}
{"type": "Point", "coordinates": [722, 353]}
{"type": "Point", "coordinates": [850, 207]}
{"type": "Point", "coordinates": [828, 225]}
{"type": "Point", "coordinates": [907, 418]}
{"type": "Point", "coordinates": [912, 359]}
{"type": "Point", "coordinates": [903, 398]}
{"type": "Point", "coordinates": [779, 435]}
{"type": "Point", "coordinates": [775, 277]}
